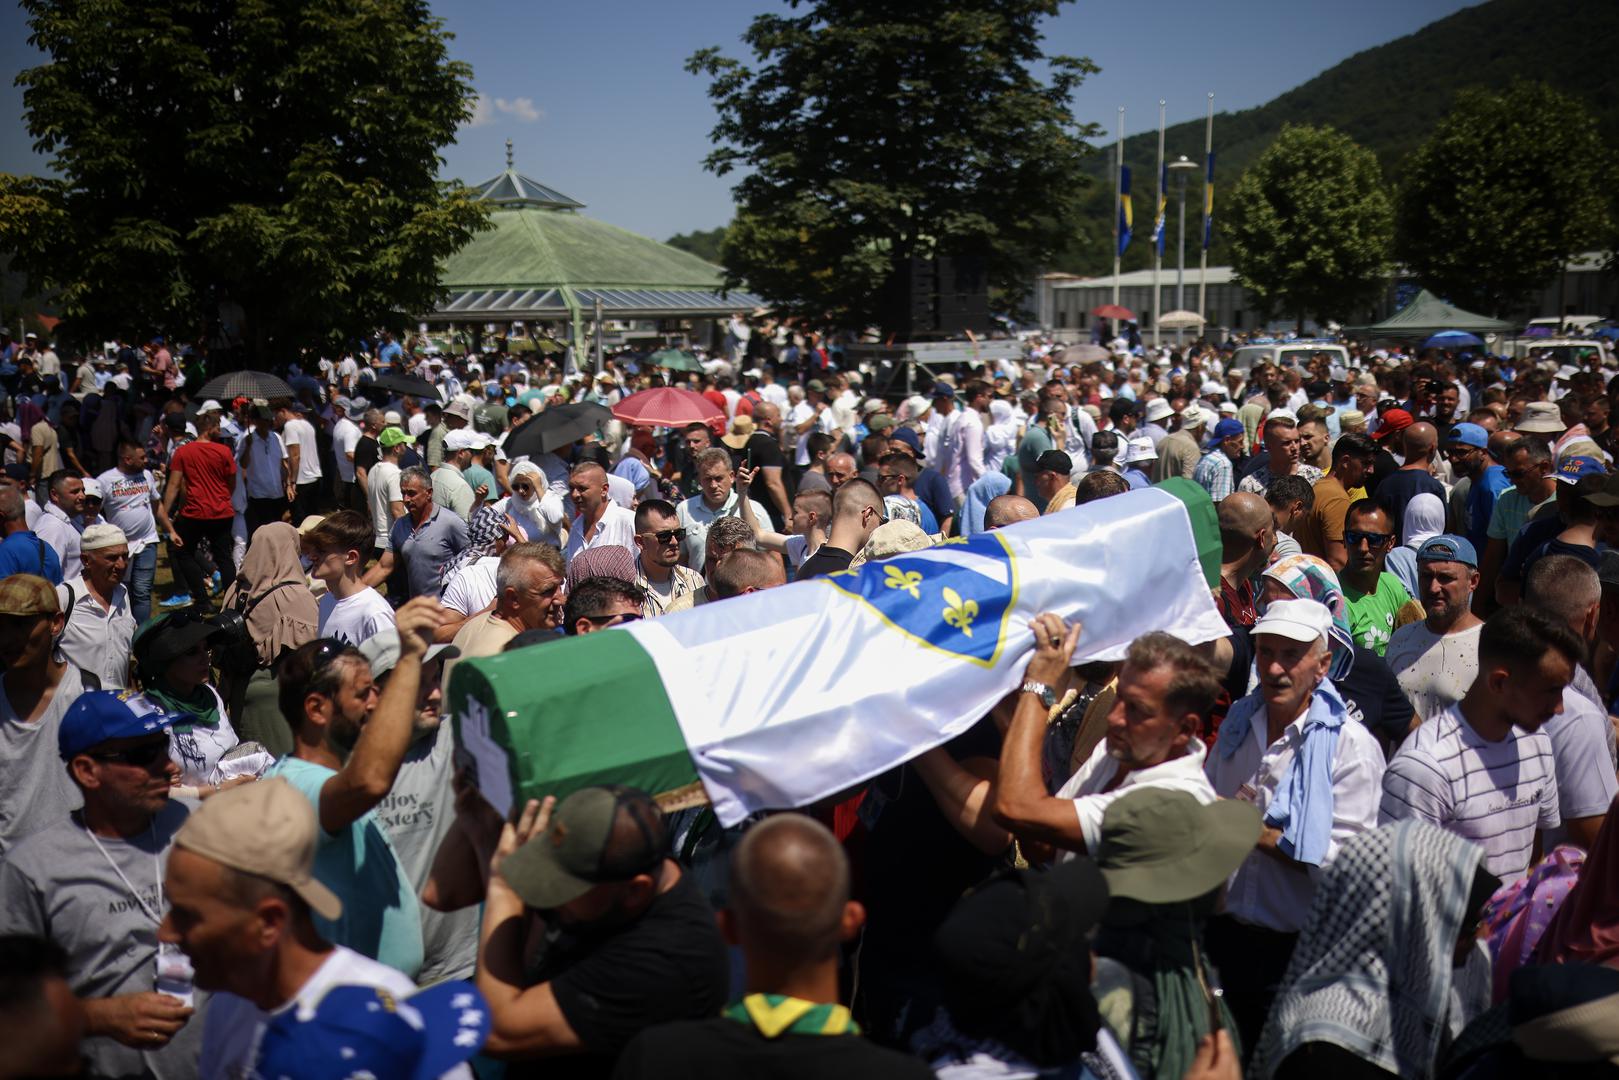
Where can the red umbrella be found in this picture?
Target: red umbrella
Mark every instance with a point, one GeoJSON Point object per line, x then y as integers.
{"type": "Point", "coordinates": [1112, 311]}
{"type": "Point", "coordinates": [667, 406]}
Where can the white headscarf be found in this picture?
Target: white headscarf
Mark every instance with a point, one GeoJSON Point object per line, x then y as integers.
{"type": "Point", "coordinates": [1002, 434]}
{"type": "Point", "coordinates": [1424, 518]}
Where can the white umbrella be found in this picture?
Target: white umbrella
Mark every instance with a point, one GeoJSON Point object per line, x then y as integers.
{"type": "Point", "coordinates": [1176, 320]}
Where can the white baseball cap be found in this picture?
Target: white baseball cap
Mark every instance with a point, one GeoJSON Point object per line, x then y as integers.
{"type": "Point", "coordinates": [1296, 620]}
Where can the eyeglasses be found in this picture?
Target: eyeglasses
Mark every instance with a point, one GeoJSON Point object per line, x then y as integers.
{"type": "Point", "coordinates": [140, 757]}
{"type": "Point", "coordinates": [1355, 537]}
{"type": "Point", "coordinates": [611, 620]}
{"type": "Point", "coordinates": [666, 536]}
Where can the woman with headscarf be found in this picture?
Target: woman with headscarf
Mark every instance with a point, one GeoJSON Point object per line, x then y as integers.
{"type": "Point", "coordinates": [469, 578]}
{"type": "Point", "coordinates": [1368, 991]}
{"type": "Point", "coordinates": [1001, 435]}
{"type": "Point", "coordinates": [533, 507]}
{"type": "Point", "coordinates": [1361, 677]}
{"type": "Point", "coordinates": [272, 596]}
{"type": "Point", "coordinates": [1424, 519]}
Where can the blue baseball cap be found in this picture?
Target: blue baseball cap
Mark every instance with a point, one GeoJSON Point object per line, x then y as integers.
{"type": "Point", "coordinates": [942, 390]}
{"type": "Point", "coordinates": [367, 1031]}
{"type": "Point", "coordinates": [1571, 470]}
{"type": "Point", "coordinates": [1222, 431]}
{"type": "Point", "coordinates": [1468, 435]}
{"type": "Point", "coordinates": [104, 715]}
{"type": "Point", "coordinates": [1448, 547]}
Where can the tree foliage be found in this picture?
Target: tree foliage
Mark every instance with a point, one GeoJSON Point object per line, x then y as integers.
{"type": "Point", "coordinates": [279, 155]}
{"type": "Point", "coordinates": [1505, 190]}
{"type": "Point", "coordinates": [872, 131]}
{"type": "Point", "coordinates": [1311, 226]}
{"type": "Point", "coordinates": [703, 243]}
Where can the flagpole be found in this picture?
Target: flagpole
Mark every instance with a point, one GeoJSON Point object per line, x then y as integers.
{"type": "Point", "coordinates": [1157, 235]}
{"type": "Point", "coordinates": [1118, 186]}
{"type": "Point", "coordinates": [1203, 260]}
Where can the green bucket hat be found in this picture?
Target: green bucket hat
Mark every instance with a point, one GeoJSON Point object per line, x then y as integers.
{"type": "Point", "coordinates": [1162, 846]}
{"type": "Point", "coordinates": [596, 835]}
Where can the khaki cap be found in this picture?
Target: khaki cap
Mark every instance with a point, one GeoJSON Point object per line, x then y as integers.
{"type": "Point", "coordinates": [27, 594]}
{"type": "Point", "coordinates": [268, 829]}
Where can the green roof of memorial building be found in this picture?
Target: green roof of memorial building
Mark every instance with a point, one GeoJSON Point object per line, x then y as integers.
{"type": "Point", "coordinates": [542, 258]}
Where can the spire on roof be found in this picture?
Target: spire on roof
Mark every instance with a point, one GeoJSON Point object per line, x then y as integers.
{"type": "Point", "coordinates": [512, 189]}
{"type": "Point", "coordinates": [508, 154]}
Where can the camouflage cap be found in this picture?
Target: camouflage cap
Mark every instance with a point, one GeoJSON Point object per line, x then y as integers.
{"type": "Point", "coordinates": [27, 594]}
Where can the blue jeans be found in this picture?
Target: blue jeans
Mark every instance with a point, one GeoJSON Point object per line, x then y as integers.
{"type": "Point", "coordinates": [142, 571]}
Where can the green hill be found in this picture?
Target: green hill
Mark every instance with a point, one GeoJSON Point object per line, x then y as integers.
{"type": "Point", "coordinates": [1387, 99]}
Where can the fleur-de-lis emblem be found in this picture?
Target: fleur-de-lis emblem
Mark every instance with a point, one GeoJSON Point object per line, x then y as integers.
{"type": "Point", "coordinates": [905, 580]}
{"type": "Point", "coordinates": [958, 612]}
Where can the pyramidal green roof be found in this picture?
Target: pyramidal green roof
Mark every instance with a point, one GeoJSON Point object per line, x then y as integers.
{"type": "Point", "coordinates": [1427, 314]}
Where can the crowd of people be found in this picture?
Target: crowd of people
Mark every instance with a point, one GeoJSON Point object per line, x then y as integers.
{"type": "Point", "coordinates": [1367, 833]}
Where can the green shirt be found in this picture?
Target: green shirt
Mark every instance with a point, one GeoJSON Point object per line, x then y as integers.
{"type": "Point", "coordinates": [1372, 616]}
{"type": "Point", "coordinates": [1512, 510]}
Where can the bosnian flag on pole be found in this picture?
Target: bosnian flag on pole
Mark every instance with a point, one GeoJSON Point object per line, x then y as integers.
{"type": "Point", "coordinates": [783, 698]}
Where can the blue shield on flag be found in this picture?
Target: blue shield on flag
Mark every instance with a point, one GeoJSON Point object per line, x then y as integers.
{"type": "Point", "coordinates": [955, 597]}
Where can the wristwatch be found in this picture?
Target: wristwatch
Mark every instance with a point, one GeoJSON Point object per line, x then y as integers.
{"type": "Point", "coordinates": [1047, 697]}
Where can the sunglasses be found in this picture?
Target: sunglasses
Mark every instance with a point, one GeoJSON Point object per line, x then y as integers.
{"type": "Point", "coordinates": [667, 536]}
{"type": "Point", "coordinates": [523, 489]}
{"type": "Point", "coordinates": [1353, 538]}
{"type": "Point", "coordinates": [610, 620]}
{"type": "Point", "coordinates": [141, 757]}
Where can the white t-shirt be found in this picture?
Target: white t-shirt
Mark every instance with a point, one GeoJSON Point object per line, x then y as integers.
{"type": "Point", "coordinates": [472, 587]}
{"type": "Point", "coordinates": [345, 437]}
{"type": "Point", "coordinates": [382, 489]}
{"type": "Point", "coordinates": [1586, 784]}
{"type": "Point", "coordinates": [1086, 786]}
{"type": "Point", "coordinates": [1434, 670]}
{"type": "Point", "coordinates": [1495, 794]}
{"type": "Point", "coordinates": [126, 501]}
{"type": "Point", "coordinates": [416, 424]}
{"type": "Point", "coordinates": [197, 749]}
{"type": "Point", "coordinates": [795, 416]}
{"type": "Point", "coordinates": [301, 433]}
{"type": "Point", "coordinates": [356, 618]}
{"type": "Point", "coordinates": [233, 1026]}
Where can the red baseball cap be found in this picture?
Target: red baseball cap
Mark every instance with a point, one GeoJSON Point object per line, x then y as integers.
{"type": "Point", "coordinates": [1394, 420]}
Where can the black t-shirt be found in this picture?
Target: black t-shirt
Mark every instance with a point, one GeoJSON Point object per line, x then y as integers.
{"type": "Point", "coordinates": [718, 1047]}
{"type": "Point", "coordinates": [366, 453]}
{"type": "Point", "coordinates": [917, 864]}
{"type": "Point", "coordinates": [826, 560]}
{"type": "Point", "coordinates": [1374, 697]}
{"type": "Point", "coordinates": [1395, 493]}
{"type": "Point", "coordinates": [1384, 466]}
{"type": "Point", "coordinates": [765, 453]}
{"type": "Point", "coordinates": [670, 964]}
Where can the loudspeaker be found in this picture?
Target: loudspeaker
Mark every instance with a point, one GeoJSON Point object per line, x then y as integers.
{"type": "Point", "coordinates": [943, 297]}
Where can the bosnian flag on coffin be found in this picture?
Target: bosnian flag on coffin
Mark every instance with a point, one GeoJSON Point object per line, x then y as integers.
{"type": "Point", "coordinates": [782, 698]}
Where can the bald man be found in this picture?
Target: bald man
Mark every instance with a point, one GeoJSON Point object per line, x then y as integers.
{"type": "Point", "coordinates": [601, 521]}
{"type": "Point", "coordinates": [1247, 538]}
{"type": "Point", "coordinates": [1395, 491]}
{"type": "Point", "coordinates": [840, 469]}
{"type": "Point", "coordinates": [789, 913]}
{"type": "Point", "coordinates": [1006, 510]}
{"type": "Point", "coordinates": [746, 571]}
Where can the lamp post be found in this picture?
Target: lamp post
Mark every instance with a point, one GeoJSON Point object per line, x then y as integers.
{"type": "Point", "coordinates": [1180, 167]}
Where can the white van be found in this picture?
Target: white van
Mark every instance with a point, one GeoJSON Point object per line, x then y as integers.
{"type": "Point", "coordinates": [1281, 351]}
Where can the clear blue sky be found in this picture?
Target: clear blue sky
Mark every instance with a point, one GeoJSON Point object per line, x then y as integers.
{"type": "Point", "coordinates": [596, 100]}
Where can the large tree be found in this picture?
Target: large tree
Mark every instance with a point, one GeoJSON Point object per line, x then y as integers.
{"type": "Point", "coordinates": [874, 131]}
{"type": "Point", "coordinates": [277, 157]}
{"type": "Point", "coordinates": [1505, 190]}
{"type": "Point", "coordinates": [1311, 226]}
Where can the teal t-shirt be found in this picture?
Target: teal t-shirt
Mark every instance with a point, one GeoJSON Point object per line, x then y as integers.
{"type": "Point", "coordinates": [476, 474]}
{"type": "Point", "coordinates": [1372, 615]}
{"type": "Point", "coordinates": [380, 915]}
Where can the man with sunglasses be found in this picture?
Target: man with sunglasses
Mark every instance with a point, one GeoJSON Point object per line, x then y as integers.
{"type": "Point", "coordinates": [1378, 603]}
{"type": "Point", "coordinates": [598, 603]}
{"type": "Point", "coordinates": [92, 882]}
{"type": "Point", "coordinates": [667, 585]}
{"type": "Point", "coordinates": [348, 743]}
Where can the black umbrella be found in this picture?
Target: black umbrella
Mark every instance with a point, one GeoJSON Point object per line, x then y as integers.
{"type": "Point", "coordinates": [248, 384]}
{"type": "Point", "coordinates": [556, 427]}
{"type": "Point", "coordinates": [406, 385]}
